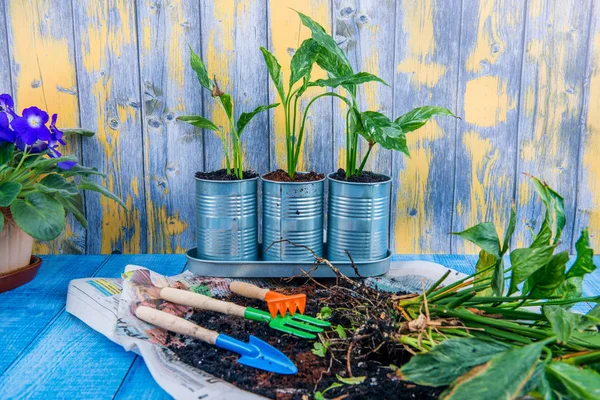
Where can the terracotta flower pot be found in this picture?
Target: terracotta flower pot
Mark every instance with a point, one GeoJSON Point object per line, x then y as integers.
{"type": "Point", "coordinates": [15, 246]}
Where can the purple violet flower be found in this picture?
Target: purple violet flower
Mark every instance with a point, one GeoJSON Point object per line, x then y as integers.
{"type": "Point", "coordinates": [55, 133]}
{"type": "Point", "coordinates": [6, 133]}
{"type": "Point", "coordinates": [32, 125]}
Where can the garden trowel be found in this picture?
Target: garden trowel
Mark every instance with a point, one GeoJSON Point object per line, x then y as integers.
{"type": "Point", "coordinates": [255, 353]}
{"type": "Point", "coordinates": [298, 325]}
{"type": "Point", "coordinates": [276, 302]}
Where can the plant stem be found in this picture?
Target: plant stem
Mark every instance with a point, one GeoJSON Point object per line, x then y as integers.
{"type": "Point", "coordinates": [364, 161]}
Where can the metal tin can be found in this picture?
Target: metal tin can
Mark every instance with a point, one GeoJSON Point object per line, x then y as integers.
{"type": "Point", "coordinates": [358, 220]}
{"type": "Point", "coordinates": [227, 219]}
{"type": "Point", "coordinates": [293, 211]}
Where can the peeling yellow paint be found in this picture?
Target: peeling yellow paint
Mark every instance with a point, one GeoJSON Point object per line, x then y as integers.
{"type": "Point", "coordinates": [486, 101]}
{"type": "Point", "coordinates": [420, 45]}
{"type": "Point", "coordinates": [414, 211]}
{"type": "Point", "coordinates": [489, 45]}
{"type": "Point", "coordinates": [168, 233]}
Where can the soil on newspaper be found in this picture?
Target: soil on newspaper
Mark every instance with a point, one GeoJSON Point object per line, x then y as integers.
{"type": "Point", "coordinates": [363, 347]}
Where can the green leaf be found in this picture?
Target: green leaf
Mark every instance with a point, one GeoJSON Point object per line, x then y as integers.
{"type": "Point", "coordinates": [416, 118]}
{"type": "Point", "coordinates": [74, 205]}
{"type": "Point", "coordinates": [525, 262]}
{"type": "Point", "coordinates": [39, 215]}
{"type": "Point", "coordinates": [485, 263]}
{"type": "Point", "coordinates": [80, 170]}
{"type": "Point", "coordinates": [584, 263]}
{"type": "Point", "coordinates": [93, 186]}
{"type": "Point", "coordinates": [483, 235]}
{"type": "Point", "coordinates": [544, 236]}
{"type": "Point", "coordinates": [510, 229]}
{"type": "Point", "coordinates": [335, 66]}
{"type": "Point", "coordinates": [303, 60]}
{"type": "Point", "coordinates": [199, 121]}
{"type": "Point", "coordinates": [341, 332]}
{"type": "Point", "coordinates": [6, 152]}
{"type": "Point", "coordinates": [555, 207]}
{"type": "Point", "coordinates": [580, 383]}
{"type": "Point", "coordinates": [325, 313]}
{"type": "Point", "coordinates": [335, 57]}
{"type": "Point", "coordinates": [77, 131]}
{"type": "Point", "coordinates": [449, 360]}
{"type": "Point", "coordinates": [200, 69]}
{"type": "Point", "coordinates": [227, 103]}
{"type": "Point", "coordinates": [319, 349]}
{"type": "Point", "coordinates": [571, 288]}
{"type": "Point", "coordinates": [8, 192]}
{"type": "Point", "coordinates": [319, 396]}
{"type": "Point", "coordinates": [502, 377]}
{"type": "Point", "coordinates": [545, 281]}
{"type": "Point", "coordinates": [355, 380]}
{"type": "Point", "coordinates": [358, 78]}
{"type": "Point", "coordinates": [498, 278]}
{"type": "Point", "coordinates": [56, 184]}
{"type": "Point", "coordinates": [1, 221]}
{"type": "Point", "coordinates": [245, 118]}
{"type": "Point", "coordinates": [563, 322]}
{"type": "Point", "coordinates": [377, 128]}
{"type": "Point", "coordinates": [275, 72]}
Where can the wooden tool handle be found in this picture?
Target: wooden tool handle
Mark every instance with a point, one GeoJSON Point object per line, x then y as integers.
{"type": "Point", "coordinates": [248, 290]}
{"type": "Point", "coordinates": [198, 300]}
{"type": "Point", "coordinates": [176, 324]}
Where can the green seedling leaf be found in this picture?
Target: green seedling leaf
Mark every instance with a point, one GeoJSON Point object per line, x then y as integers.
{"type": "Point", "coordinates": [39, 215]}
{"type": "Point", "coordinates": [341, 332]}
{"type": "Point", "coordinates": [555, 208]}
{"type": "Point", "coordinates": [484, 270]}
{"type": "Point", "coordinates": [377, 128]}
{"type": "Point", "coordinates": [325, 313]}
{"type": "Point", "coordinates": [501, 378]}
{"type": "Point", "coordinates": [9, 192]}
{"type": "Point", "coordinates": [447, 361]}
{"type": "Point", "coordinates": [510, 229]}
{"type": "Point", "coordinates": [245, 118]}
{"type": "Point", "coordinates": [319, 396]}
{"type": "Point", "coordinates": [227, 104]}
{"type": "Point", "coordinates": [356, 79]}
{"type": "Point", "coordinates": [199, 122]}
{"type": "Point", "coordinates": [355, 380]}
{"type": "Point", "coordinates": [80, 170]}
{"type": "Point", "coordinates": [319, 349]}
{"type": "Point", "coordinates": [200, 69]}
{"type": "Point", "coordinates": [74, 205]}
{"type": "Point", "coordinates": [56, 184]}
{"type": "Point", "coordinates": [483, 235]}
{"type": "Point", "coordinates": [303, 60]}
{"type": "Point", "coordinates": [584, 263]}
{"type": "Point", "coordinates": [275, 72]}
{"type": "Point", "coordinates": [202, 289]}
{"type": "Point", "coordinates": [78, 131]}
{"type": "Point", "coordinates": [93, 186]}
{"type": "Point", "coordinates": [6, 152]}
{"type": "Point", "coordinates": [579, 383]}
{"type": "Point", "coordinates": [416, 118]}
{"type": "Point", "coordinates": [336, 59]}
{"type": "Point", "coordinates": [563, 322]}
{"type": "Point", "coordinates": [525, 262]}
{"type": "Point", "coordinates": [546, 280]}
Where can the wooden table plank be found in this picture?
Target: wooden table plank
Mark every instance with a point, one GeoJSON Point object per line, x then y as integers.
{"type": "Point", "coordinates": [34, 305]}
{"type": "Point", "coordinates": [69, 357]}
{"type": "Point", "coordinates": [139, 384]}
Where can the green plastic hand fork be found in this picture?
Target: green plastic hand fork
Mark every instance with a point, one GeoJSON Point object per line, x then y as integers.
{"type": "Point", "coordinates": [298, 325]}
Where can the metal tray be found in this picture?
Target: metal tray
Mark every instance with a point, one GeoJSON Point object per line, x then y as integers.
{"type": "Point", "coordinates": [282, 269]}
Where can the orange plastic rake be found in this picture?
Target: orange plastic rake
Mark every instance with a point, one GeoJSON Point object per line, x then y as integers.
{"type": "Point", "coordinates": [276, 302]}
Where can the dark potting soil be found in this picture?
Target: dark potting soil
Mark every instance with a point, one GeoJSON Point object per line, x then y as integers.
{"type": "Point", "coordinates": [314, 373]}
{"type": "Point", "coordinates": [282, 176]}
{"type": "Point", "coordinates": [364, 177]}
{"type": "Point", "coordinates": [221, 175]}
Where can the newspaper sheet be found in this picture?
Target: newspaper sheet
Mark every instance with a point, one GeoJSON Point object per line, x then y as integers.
{"type": "Point", "coordinates": [107, 306]}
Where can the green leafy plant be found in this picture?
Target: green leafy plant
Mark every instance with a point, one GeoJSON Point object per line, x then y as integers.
{"type": "Point", "coordinates": [484, 337]}
{"type": "Point", "coordinates": [231, 141]}
{"type": "Point", "coordinates": [38, 185]}
{"type": "Point", "coordinates": [373, 126]}
{"type": "Point", "coordinates": [320, 348]}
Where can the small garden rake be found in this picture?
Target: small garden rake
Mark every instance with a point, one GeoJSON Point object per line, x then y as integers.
{"type": "Point", "coordinates": [276, 302]}
{"type": "Point", "coordinates": [298, 325]}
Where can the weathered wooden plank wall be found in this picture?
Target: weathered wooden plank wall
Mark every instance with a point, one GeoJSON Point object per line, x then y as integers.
{"type": "Point", "coordinates": [523, 75]}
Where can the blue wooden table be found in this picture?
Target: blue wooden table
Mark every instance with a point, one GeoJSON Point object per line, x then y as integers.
{"type": "Point", "coordinates": [47, 353]}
